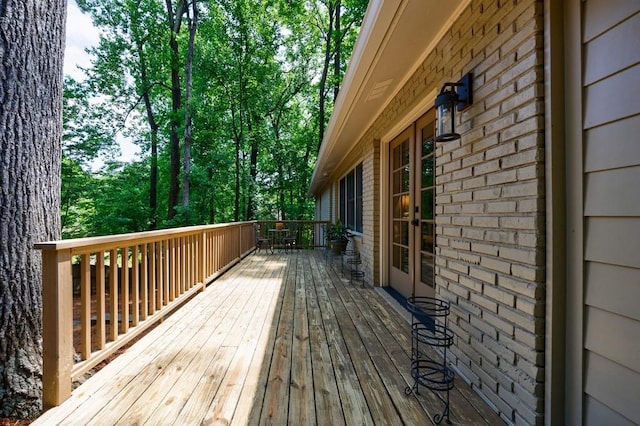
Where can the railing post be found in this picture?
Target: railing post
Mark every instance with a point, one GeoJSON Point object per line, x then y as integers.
{"type": "Point", "coordinates": [57, 326]}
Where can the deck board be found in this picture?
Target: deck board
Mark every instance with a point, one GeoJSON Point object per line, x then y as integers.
{"type": "Point", "coordinates": [279, 339]}
{"type": "Point", "coordinates": [329, 407]}
{"type": "Point", "coordinates": [354, 405]}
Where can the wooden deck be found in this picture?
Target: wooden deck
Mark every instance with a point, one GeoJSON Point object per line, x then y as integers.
{"type": "Point", "coordinates": [279, 339]}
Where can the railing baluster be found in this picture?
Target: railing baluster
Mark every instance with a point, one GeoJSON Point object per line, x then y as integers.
{"type": "Point", "coordinates": [173, 270]}
{"type": "Point", "coordinates": [214, 252]}
{"type": "Point", "coordinates": [113, 294]}
{"type": "Point", "coordinates": [195, 258]}
{"type": "Point", "coordinates": [166, 260]}
{"type": "Point", "coordinates": [135, 287]}
{"type": "Point", "coordinates": [101, 332]}
{"type": "Point", "coordinates": [85, 306]}
{"type": "Point", "coordinates": [188, 261]}
{"type": "Point", "coordinates": [159, 276]}
{"type": "Point", "coordinates": [153, 278]}
{"type": "Point", "coordinates": [187, 283]}
{"type": "Point", "coordinates": [176, 267]}
{"type": "Point", "coordinates": [165, 265]}
{"type": "Point", "coordinates": [144, 282]}
{"type": "Point", "coordinates": [124, 288]}
{"type": "Point", "coordinates": [181, 265]}
{"type": "Point", "coordinates": [200, 248]}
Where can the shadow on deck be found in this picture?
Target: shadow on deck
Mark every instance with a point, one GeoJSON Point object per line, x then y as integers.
{"type": "Point", "coordinates": [279, 339]}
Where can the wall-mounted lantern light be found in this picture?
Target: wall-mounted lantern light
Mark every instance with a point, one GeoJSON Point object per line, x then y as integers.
{"type": "Point", "coordinates": [447, 102]}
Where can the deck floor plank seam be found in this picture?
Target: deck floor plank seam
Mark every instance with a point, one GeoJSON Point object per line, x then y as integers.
{"type": "Point", "coordinates": [206, 344]}
{"type": "Point", "coordinates": [88, 400]}
{"type": "Point", "coordinates": [379, 402]}
{"type": "Point", "coordinates": [275, 409]}
{"type": "Point", "coordinates": [384, 351]}
{"type": "Point", "coordinates": [268, 337]}
{"type": "Point", "coordinates": [355, 408]}
{"type": "Point", "coordinates": [329, 407]}
{"type": "Point", "coordinates": [302, 410]}
{"type": "Point", "coordinates": [225, 402]}
{"type": "Point", "coordinates": [131, 407]}
{"type": "Point", "coordinates": [279, 339]}
{"type": "Point", "coordinates": [465, 408]}
{"type": "Point", "coordinates": [144, 403]}
{"type": "Point", "coordinates": [251, 391]}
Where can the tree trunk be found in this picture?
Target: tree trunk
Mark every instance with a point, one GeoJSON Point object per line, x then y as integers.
{"type": "Point", "coordinates": [174, 140]}
{"type": "Point", "coordinates": [322, 95]}
{"type": "Point", "coordinates": [32, 46]}
{"type": "Point", "coordinates": [253, 167]}
{"type": "Point", "coordinates": [175, 21]}
{"type": "Point", "coordinates": [337, 56]}
{"type": "Point", "coordinates": [236, 204]}
{"type": "Point", "coordinates": [237, 137]}
{"type": "Point", "coordinates": [186, 162]}
{"type": "Point", "coordinates": [211, 197]}
{"type": "Point", "coordinates": [281, 191]}
{"type": "Point", "coordinates": [153, 126]}
{"type": "Point", "coordinates": [153, 181]}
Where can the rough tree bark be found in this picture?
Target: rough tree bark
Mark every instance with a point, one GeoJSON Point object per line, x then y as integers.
{"type": "Point", "coordinates": [329, 37]}
{"type": "Point", "coordinates": [192, 21]}
{"type": "Point", "coordinates": [31, 52]}
{"type": "Point", "coordinates": [154, 127]}
{"type": "Point", "coordinates": [322, 91]}
{"type": "Point", "coordinates": [175, 21]}
{"type": "Point", "coordinates": [337, 56]}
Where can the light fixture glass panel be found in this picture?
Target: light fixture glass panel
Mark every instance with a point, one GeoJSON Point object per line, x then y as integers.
{"type": "Point", "coordinates": [444, 122]}
{"type": "Point", "coordinates": [445, 116]}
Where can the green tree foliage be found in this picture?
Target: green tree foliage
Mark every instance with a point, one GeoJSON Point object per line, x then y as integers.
{"type": "Point", "coordinates": [126, 212]}
{"type": "Point", "coordinates": [247, 125]}
{"type": "Point", "coordinates": [76, 205]}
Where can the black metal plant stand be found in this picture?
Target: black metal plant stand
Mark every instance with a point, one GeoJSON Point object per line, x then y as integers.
{"type": "Point", "coordinates": [430, 341]}
{"type": "Point", "coordinates": [354, 261]}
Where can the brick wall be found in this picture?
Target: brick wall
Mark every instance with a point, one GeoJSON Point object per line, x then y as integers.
{"type": "Point", "coordinates": [490, 206]}
{"type": "Point", "coordinates": [490, 200]}
{"type": "Point", "coordinates": [368, 245]}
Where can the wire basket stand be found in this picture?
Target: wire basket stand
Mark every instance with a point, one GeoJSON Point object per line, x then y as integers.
{"type": "Point", "coordinates": [430, 341]}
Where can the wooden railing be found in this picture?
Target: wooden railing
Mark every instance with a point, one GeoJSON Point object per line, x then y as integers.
{"type": "Point", "coordinates": [101, 293]}
{"type": "Point", "coordinates": [307, 233]}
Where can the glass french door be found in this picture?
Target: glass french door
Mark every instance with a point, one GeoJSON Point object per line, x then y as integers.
{"type": "Point", "coordinates": [412, 209]}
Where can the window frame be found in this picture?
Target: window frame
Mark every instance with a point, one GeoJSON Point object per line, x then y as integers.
{"type": "Point", "coordinates": [350, 199]}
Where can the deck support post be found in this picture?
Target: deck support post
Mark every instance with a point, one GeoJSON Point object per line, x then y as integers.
{"type": "Point", "coordinates": [57, 326]}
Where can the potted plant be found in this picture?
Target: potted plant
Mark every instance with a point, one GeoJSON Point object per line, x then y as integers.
{"type": "Point", "coordinates": [338, 237]}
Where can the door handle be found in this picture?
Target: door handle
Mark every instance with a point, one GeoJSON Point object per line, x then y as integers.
{"type": "Point", "coordinates": [415, 222]}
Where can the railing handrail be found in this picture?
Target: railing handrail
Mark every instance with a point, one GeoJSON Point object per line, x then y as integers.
{"type": "Point", "coordinates": [144, 275]}
{"type": "Point", "coordinates": [147, 236]}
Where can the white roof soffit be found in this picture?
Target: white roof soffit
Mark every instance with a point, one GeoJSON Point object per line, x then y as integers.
{"type": "Point", "coordinates": [395, 38]}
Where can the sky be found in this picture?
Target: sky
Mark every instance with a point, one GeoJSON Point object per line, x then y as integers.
{"type": "Point", "coordinates": [81, 34]}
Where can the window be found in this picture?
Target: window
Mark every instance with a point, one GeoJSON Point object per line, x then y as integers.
{"type": "Point", "coordinates": [351, 199]}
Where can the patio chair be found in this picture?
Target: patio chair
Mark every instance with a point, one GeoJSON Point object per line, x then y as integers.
{"type": "Point", "coordinates": [262, 242]}
{"type": "Point", "coordinates": [289, 243]}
